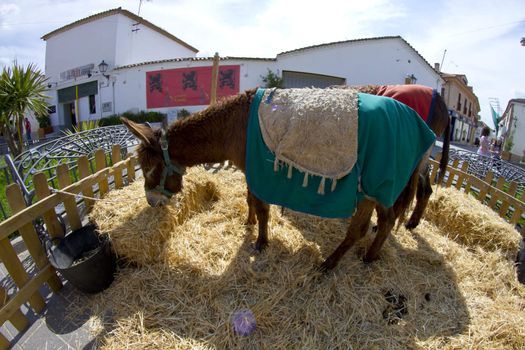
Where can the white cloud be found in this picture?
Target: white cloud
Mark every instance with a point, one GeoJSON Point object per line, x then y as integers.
{"type": "Point", "coordinates": [481, 37]}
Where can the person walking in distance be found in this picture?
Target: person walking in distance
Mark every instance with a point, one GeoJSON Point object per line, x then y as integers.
{"type": "Point", "coordinates": [27, 126]}
{"type": "Point", "coordinates": [484, 142]}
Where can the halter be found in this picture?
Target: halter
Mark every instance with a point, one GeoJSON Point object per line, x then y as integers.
{"type": "Point", "coordinates": [170, 168]}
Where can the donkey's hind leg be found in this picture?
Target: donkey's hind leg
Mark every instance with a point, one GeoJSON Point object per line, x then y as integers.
{"type": "Point", "coordinates": [356, 230]}
{"type": "Point", "coordinates": [424, 191]}
{"type": "Point", "coordinates": [250, 220]}
{"type": "Point", "coordinates": [262, 210]}
{"type": "Point", "coordinates": [386, 219]}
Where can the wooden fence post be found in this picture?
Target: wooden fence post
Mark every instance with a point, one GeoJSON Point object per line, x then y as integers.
{"type": "Point", "coordinates": [70, 203]}
{"type": "Point", "coordinates": [485, 188]}
{"type": "Point", "coordinates": [28, 233]}
{"type": "Point", "coordinates": [17, 318]}
{"type": "Point", "coordinates": [50, 217]}
{"type": "Point", "coordinates": [435, 168]}
{"type": "Point", "coordinates": [4, 343]}
{"type": "Point", "coordinates": [131, 169]}
{"type": "Point", "coordinates": [117, 157]}
{"type": "Point", "coordinates": [18, 273]}
{"type": "Point", "coordinates": [516, 216]}
{"type": "Point", "coordinates": [100, 161]}
{"type": "Point", "coordinates": [505, 205]}
{"type": "Point", "coordinates": [83, 170]}
{"type": "Point", "coordinates": [494, 196]}
{"type": "Point", "coordinates": [452, 172]}
{"type": "Point", "coordinates": [461, 176]}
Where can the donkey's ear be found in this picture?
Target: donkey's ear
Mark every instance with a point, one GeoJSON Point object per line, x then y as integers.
{"type": "Point", "coordinates": [143, 132]}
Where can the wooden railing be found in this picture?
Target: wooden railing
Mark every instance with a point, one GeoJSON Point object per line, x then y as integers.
{"type": "Point", "coordinates": [22, 222]}
{"type": "Point", "coordinates": [501, 197]}
{"type": "Point", "coordinates": [496, 193]}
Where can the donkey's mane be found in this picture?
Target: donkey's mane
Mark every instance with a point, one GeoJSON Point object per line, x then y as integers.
{"type": "Point", "coordinates": [215, 134]}
{"type": "Point", "coordinates": [214, 113]}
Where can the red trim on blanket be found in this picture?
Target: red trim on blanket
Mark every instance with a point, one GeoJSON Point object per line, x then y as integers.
{"type": "Point", "coordinates": [417, 97]}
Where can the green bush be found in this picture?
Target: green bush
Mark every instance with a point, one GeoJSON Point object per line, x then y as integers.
{"type": "Point", "coordinates": [272, 80]}
{"type": "Point", "coordinates": [141, 117]}
{"type": "Point", "coordinates": [183, 113]}
{"type": "Point", "coordinates": [43, 121]}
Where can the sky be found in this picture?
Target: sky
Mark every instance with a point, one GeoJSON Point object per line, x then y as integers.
{"type": "Point", "coordinates": [480, 39]}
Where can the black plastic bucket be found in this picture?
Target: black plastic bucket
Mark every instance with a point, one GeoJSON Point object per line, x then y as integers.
{"type": "Point", "coordinates": [85, 259]}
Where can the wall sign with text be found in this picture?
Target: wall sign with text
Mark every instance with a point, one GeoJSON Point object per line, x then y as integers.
{"type": "Point", "coordinates": [189, 86]}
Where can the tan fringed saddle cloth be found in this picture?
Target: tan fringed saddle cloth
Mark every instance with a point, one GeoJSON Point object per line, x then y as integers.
{"type": "Point", "coordinates": [312, 130]}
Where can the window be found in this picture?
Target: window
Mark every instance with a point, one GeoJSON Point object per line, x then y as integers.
{"type": "Point", "coordinates": [465, 107]}
{"type": "Point", "coordinates": [106, 107]}
{"type": "Point", "coordinates": [458, 108]}
{"type": "Point", "coordinates": [92, 105]}
{"type": "Point", "coordinates": [443, 92]}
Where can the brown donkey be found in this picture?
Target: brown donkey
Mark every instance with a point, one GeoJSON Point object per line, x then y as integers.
{"type": "Point", "coordinates": [435, 113]}
{"type": "Point", "coordinates": [219, 133]}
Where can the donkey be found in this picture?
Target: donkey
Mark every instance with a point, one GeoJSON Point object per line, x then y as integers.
{"type": "Point", "coordinates": [219, 133]}
{"type": "Point", "coordinates": [438, 120]}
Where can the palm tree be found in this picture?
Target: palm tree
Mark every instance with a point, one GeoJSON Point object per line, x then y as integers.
{"type": "Point", "coordinates": [21, 92]}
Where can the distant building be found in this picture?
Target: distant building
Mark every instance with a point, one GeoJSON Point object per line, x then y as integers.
{"type": "Point", "coordinates": [513, 120]}
{"type": "Point", "coordinates": [463, 107]}
{"type": "Point", "coordinates": [115, 61]}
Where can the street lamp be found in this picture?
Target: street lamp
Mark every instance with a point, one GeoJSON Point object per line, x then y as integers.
{"type": "Point", "coordinates": [103, 67]}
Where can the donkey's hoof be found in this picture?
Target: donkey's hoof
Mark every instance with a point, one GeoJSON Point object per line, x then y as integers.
{"type": "Point", "coordinates": [250, 222]}
{"type": "Point", "coordinates": [326, 267]}
{"type": "Point", "coordinates": [260, 245]}
{"type": "Point", "coordinates": [374, 228]}
{"type": "Point", "coordinates": [369, 259]}
{"type": "Point", "coordinates": [411, 224]}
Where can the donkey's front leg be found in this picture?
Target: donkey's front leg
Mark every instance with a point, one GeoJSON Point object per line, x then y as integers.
{"type": "Point", "coordinates": [356, 230]}
{"type": "Point", "coordinates": [262, 210]}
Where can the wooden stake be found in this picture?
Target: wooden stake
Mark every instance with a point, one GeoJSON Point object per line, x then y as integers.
{"type": "Point", "coordinates": [214, 76]}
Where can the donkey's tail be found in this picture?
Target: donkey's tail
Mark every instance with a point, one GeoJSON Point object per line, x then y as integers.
{"type": "Point", "coordinates": [444, 154]}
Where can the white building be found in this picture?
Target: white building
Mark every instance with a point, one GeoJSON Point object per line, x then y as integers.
{"type": "Point", "coordinates": [513, 124]}
{"type": "Point", "coordinates": [150, 69]}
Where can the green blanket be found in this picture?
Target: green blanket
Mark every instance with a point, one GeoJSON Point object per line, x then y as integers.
{"type": "Point", "coordinates": [392, 138]}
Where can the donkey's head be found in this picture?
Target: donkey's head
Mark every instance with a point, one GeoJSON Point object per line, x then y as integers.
{"type": "Point", "coordinates": [162, 177]}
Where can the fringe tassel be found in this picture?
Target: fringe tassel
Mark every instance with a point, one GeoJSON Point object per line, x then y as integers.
{"type": "Point", "coordinates": [305, 181]}
{"type": "Point", "coordinates": [334, 183]}
{"type": "Point", "coordinates": [320, 190]}
{"type": "Point", "coordinates": [276, 164]}
{"type": "Point", "coordinates": [290, 167]}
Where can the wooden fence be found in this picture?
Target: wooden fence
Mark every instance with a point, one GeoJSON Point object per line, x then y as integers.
{"type": "Point", "coordinates": [501, 197]}
{"type": "Point", "coordinates": [22, 222]}
{"type": "Point", "coordinates": [496, 193]}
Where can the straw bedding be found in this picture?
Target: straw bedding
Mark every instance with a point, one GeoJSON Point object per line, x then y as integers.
{"type": "Point", "coordinates": [193, 266]}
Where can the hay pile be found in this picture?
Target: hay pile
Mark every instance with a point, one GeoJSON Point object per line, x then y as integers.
{"type": "Point", "coordinates": [467, 221]}
{"type": "Point", "coordinates": [195, 268]}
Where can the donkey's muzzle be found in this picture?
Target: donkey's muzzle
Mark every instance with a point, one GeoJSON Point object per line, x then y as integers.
{"type": "Point", "coordinates": [156, 199]}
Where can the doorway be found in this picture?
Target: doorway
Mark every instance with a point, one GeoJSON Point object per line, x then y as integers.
{"type": "Point", "coordinates": [70, 115]}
